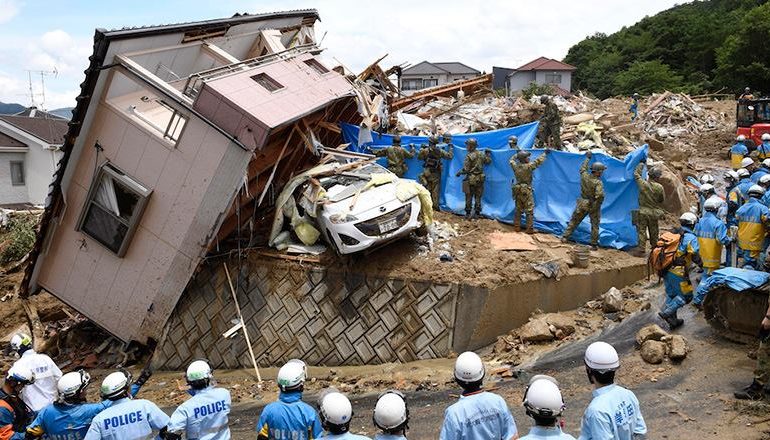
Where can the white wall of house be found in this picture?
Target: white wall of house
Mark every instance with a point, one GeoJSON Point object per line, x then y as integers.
{"type": "Point", "coordinates": [40, 162]}
{"type": "Point", "coordinates": [427, 80]}
{"type": "Point", "coordinates": [10, 193]}
{"type": "Point", "coordinates": [520, 80]}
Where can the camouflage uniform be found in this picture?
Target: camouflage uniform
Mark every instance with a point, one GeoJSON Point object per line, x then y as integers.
{"type": "Point", "coordinates": [432, 157]}
{"type": "Point", "coordinates": [762, 371]}
{"type": "Point", "coordinates": [522, 190]}
{"type": "Point", "coordinates": [651, 196]}
{"type": "Point", "coordinates": [473, 184]}
{"type": "Point", "coordinates": [551, 132]}
{"type": "Point", "coordinates": [589, 203]}
{"type": "Point", "coordinates": [396, 156]}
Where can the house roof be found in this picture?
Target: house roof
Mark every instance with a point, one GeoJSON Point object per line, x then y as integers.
{"type": "Point", "coordinates": [7, 141]}
{"type": "Point", "coordinates": [454, 68]}
{"type": "Point", "coordinates": [49, 128]}
{"type": "Point", "coordinates": [34, 112]}
{"type": "Point", "coordinates": [544, 63]}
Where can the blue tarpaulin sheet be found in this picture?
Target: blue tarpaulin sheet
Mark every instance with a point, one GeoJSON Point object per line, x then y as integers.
{"type": "Point", "coordinates": [732, 277]}
{"type": "Point", "coordinates": [556, 182]}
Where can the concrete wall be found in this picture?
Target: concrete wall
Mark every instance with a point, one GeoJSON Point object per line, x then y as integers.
{"type": "Point", "coordinates": [566, 78]}
{"type": "Point", "coordinates": [519, 81]}
{"type": "Point", "coordinates": [328, 317]}
{"type": "Point", "coordinates": [8, 192]}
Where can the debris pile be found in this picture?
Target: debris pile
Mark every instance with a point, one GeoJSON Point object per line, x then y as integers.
{"type": "Point", "coordinates": [655, 344]}
{"type": "Point", "coordinates": [675, 115]}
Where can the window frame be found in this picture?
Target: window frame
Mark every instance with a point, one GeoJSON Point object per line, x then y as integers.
{"type": "Point", "coordinates": [410, 81]}
{"type": "Point", "coordinates": [553, 75]}
{"type": "Point", "coordinates": [427, 81]}
{"type": "Point", "coordinates": [19, 163]}
{"type": "Point", "coordinates": [316, 66]}
{"type": "Point", "coordinates": [275, 86]}
{"type": "Point", "coordinates": [127, 181]}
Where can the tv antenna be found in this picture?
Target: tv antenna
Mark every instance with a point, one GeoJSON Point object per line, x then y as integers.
{"type": "Point", "coordinates": [32, 95]}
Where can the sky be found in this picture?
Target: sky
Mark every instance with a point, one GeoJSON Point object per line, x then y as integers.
{"type": "Point", "coordinates": [56, 36]}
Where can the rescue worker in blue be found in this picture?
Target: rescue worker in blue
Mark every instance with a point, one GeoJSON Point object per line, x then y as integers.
{"type": "Point", "coordinates": [391, 415]}
{"type": "Point", "coordinates": [738, 151]}
{"type": "Point", "coordinates": [753, 222]}
{"type": "Point", "coordinates": [127, 418]}
{"type": "Point", "coordinates": [289, 417]}
{"type": "Point", "coordinates": [614, 411]}
{"type": "Point", "coordinates": [478, 414]}
{"type": "Point", "coordinates": [679, 289]}
{"type": "Point", "coordinates": [71, 416]}
{"type": "Point", "coordinates": [739, 194]}
{"type": "Point", "coordinates": [764, 182]}
{"type": "Point", "coordinates": [705, 192]}
{"type": "Point", "coordinates": [712, 235]}
{"type": "Point", "coordinates": [733, 197]}
{"type": "Point", "coordinates": [336, 414]}
{"type": "Point", "coordinates": [14, 413]}
{"type": "Point", "coordinates": [634, 109]}
{"type": "Point", "coordinates": [763, 149]}
{"type": "Point", "coordinates": [763, 170]}
{"type": "Point", "coordinates": [543, 402]}
{"type": "Point", "coordinates": [204, 415]}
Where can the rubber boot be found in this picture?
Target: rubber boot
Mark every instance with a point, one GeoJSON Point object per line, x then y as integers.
{"type": "Point", "coordinates": [516, 227]}
{"type": "Point", "coordinates": [755, 391]}
{"type": "Point", "coordinates": [467, 215]}
{"type": "Point", "coordinates": [530, 229]}
{"type": "Point", "coordinates": [671, 319]}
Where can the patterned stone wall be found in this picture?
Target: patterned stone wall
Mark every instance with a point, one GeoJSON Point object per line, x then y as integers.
{"type": "Point", "coordinates": [322, 316]}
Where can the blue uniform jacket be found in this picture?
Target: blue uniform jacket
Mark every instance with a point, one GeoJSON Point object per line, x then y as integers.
{"type": "Point", "coordinates": [547, 433]}
{"type": "Point", "coordinates": [763, 150]}
{"type": "Point", "coordinates": [756, 175]}
{"type": "Point", "coordinates": [613, 414]}
{"type": "Point", "coordinates": [8, 418]}
{"type": "Point", "coordinates": [127, 419]}
{"type": "Point", "coordinates": [481, 415]}
{"type": "Point", "coordinates": [289, 417]}
{"type": "Point", "coordinates": [345, 436]}
{"type": "Point", "coordinates": [204, 416]}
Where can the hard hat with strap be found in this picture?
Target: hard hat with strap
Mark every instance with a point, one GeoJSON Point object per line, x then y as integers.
{"type": "Point", "coordinates": [336, 411]}
{"type": "Point", "coordinates": [72, 385]}
{"type": "Point", "coordinates": [543, 399]}
{"type": "Point", "coordinates": [391, 412]}
{"type": "Point", "coordinates": [469, 368]}
{"type": "Point", "coordinates": [602, 357]}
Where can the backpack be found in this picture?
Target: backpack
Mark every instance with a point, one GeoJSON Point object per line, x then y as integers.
{"type": "Point", "coordinates": [663, 254]}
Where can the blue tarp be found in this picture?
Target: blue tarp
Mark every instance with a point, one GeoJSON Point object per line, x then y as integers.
{"type": "Point", "coordinates": [556, 183]}
{"type": "Point", "coordinates": [732, 277]}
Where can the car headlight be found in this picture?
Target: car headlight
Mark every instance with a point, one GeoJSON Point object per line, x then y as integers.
{"type": "Point", "coordinates": [342, 218]}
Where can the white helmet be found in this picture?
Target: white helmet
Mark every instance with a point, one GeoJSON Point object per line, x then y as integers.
{"type": "Point", "coordinates": [115, 384]}
{"type": "Point", "coordinates": [740, 138]}
{"type": "Point", "coordinates": [766, 163]}
{"type": "Point", "coordinates": [21, 375]}
{"type": "Point", "coordinates": [707, 178]}
{"type": "Point", "coordinates": [469, 368]}
{"type": "Point", "coordinates": [747, 162]}
{"type": "Point", "coordinates": [391, 412]}
{"type": "Point", "coordinates": [292, 375]}
{"type": "Point", "coordinates": [743, 172]}
{"type": "Point", "coordinates": [756, 191]}
{"type": "Point", "coordinates": [20, 340]}
{"type": "Point", "coordinates": [198, 372]}
{"type": "Point", "coordinates": [713, 204]}
{"type": "Point", "coordinates": [732, 175]}
{"type": "Point", "coordinates": [706, 188]}
{"type": "Point", "coordinates": [688, 219]}
{"type": "Point", "coordinates": [543, 399]}
{"type": "Point", "coordinates": [601, 356]}
{"type": "Point", "coordinates": [766, 136]}
{"type": "Point", "coordinates": [764, 180]}
{"type": "Point", "coordinates": [336, 409]}
{"type": "Point", "coordinates": [72, 384]}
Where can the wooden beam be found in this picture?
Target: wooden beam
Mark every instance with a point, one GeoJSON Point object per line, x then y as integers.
{"type": "Point", "coordinates": [443, 90]}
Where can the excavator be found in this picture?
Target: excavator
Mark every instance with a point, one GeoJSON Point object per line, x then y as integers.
{"type": "Point", "coordinates": [735, 302]}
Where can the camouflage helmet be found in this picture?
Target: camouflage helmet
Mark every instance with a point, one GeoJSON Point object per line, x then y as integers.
{"type": "Point", "coordinates": [433, 139]}
{"type": "Point", "coordinates": [543, 99]}
{"type": "Point", "coordinates": [522, 155]}
{"type": "Point", "coordinates": [598, 167]}
{"type": "Point", "coordinates": [655, 173]}
{"type": "Point", "coordinates": [447, 138]}
{"type": "Point", "coordinates": [396, 140]}
{"type": "Point", "coordinates": [471, 142]}
{"type": "Point", "coordinates": [513, 139]}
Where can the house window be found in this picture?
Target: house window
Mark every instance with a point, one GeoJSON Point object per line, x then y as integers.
{"type": "Point", "coordinates": [113, 209]}
{"type": "Point", "coordinates": [267, 82]}
{"type": "Point", "coordinates": [17, 173]}
{"type": "Point", "coordinates": [553, 78]}
{"type": "Point", "coordinates": [411, 84]}
{"type": "Point", "coordinates": [318, 67]}
{"type": "Point", "coordinates": [161, 116]}
{"type": "Point", "coordinates": [429, 83]}
{"type": "Point", "coordinates": [176, 123]}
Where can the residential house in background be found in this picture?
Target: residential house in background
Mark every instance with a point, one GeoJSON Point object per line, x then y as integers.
{"type": "Point", "coordinates": [540, 71]}
{"type": "Point", "coordinates": [30, 144]}
{"type": "Point", "coordinates": [425, 74]}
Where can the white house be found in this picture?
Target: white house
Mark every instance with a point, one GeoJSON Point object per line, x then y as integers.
{"type": "Point", "coordinates": [540, 71]}
{"type": "Point", "coordinates": [424, 75]}
{"type": "Point", "coordinates": [30, 145]}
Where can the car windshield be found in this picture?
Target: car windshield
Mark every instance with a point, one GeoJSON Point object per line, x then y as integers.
{"type": "Point", "coordinates": [347, 184]}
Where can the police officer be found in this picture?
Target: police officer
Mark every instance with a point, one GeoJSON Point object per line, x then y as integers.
{"type": "Point", "coordinates": [762, 170]}
{"type": "Point", "coordinates": [677, 277]}
{"type": "Point", "coordinates": [336, 413]}
{"type": "Point", "coordinates": [478, 414]}
{"type": "Point", "coordinates": [763, 149]}
{"type": "Point", "coordinates": [523, 197]}
{"type": "Point", "coordinates": [764, 182]}
{"type": "Point", "coordinates": [71, 415]}
{"type": "Point", "coordinates": [750, 166]}
{"type": "Point", "coordinates": [289, 417]}
{"type": "Point", "coordinates": [14, 413]}
{"type": "Point", "coordinates": [473, 184]}
{"type": "Point", "coordinates": [543, 402]}
{"type": "Point", "coordinates": [396, 156]}
{"type": "Point", "coordinates": [551, 134]}
{"type": "Point", "coordinates": [204, 416]}
{"type": "Point", "coordinates": [391, 415]}
{"type": "Point", "coordinates": [43, 392]}
{"type": "Point", "coordinates": [651, 197]}
{"type": "Point", "coordinates": [614, 411]}
{"type": "Point", "coordinates": [738, 151]}
{"type": "Point", "coordinates": [127, 418]}
{"type": "Point", "coordinates": [705, 192]}
{"type": "Point", "coordinates": [590, 201]}
{"type": "Point", "coordinates": [634, 109]}
{"type": "Point", "coordinates": [739, 194]}
{"type": "Point", "coordinates": [712, 235]}
{"type": "Point", "coordinates": [432, 157]}
{"type": "Point", "coordinates": [756, 390]}
{"type": "Point", "coordinates": [513, 142]}
{"type": "Point", "coordinates": [753, 222]}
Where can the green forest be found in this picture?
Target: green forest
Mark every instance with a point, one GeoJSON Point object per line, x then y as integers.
{"type": "Point", "coordinates": [699, 47]}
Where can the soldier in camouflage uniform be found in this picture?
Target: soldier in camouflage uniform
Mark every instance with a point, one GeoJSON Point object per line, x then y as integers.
{"type": "Point", "coordinates": [513, 143]}
{"type": "Point", "coordinates": [590, 201]}
{"type": "Point", "coordinates": [551, 132]}
{"type": "Point", "coordinates": [432, 157]}
{"type": "Point", "coordinates": [651, 196]}
{"type": "Point", "coordinates": [522, 188]}
{"type": "Point", "coordinates": [756, 391]}
{"type": "Point", "coordinates": [473, 184]}
{"type": "Point", "coordinates": [396, 155]}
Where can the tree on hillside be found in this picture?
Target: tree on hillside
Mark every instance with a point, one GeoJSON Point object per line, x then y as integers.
{"type": "Point", "coordinates": [743, 58]}
{"type": "Point", "coordinates": [645, 77]}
